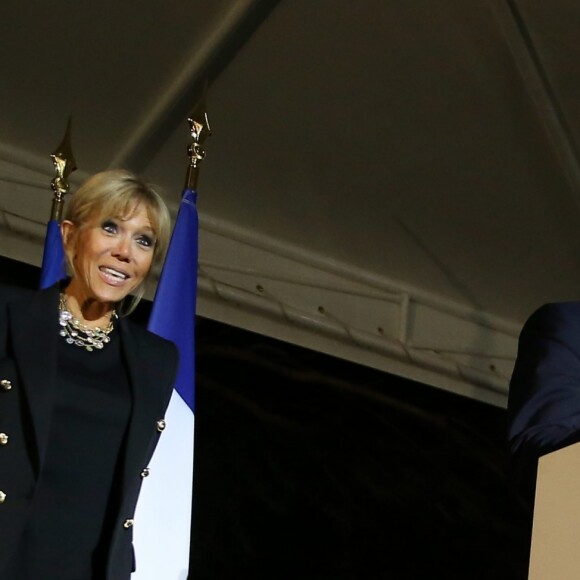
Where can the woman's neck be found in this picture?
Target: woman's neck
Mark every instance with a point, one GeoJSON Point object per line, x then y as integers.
{"type": "Point", "coordinates": [88, 311]}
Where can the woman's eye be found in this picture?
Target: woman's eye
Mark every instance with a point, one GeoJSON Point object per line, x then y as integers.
{"type": "Point", "coordinates": [146, 241]}
{"type": "Point", "coordinates": [109, 227]}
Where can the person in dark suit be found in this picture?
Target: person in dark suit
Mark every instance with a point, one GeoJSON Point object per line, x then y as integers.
{"type": "Point", "coordinates": [83, 392]}
{"type": "Point", "coordinates": [544, 395]}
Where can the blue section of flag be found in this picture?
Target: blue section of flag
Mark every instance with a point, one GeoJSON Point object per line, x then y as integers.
{"type": "Point", "coordinates": [53, 262]}
{"type": "Point", "coordinates": [173, 313]}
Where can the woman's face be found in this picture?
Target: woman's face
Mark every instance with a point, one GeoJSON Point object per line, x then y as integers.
{"type": "Point", "coordinates": [111, 256]}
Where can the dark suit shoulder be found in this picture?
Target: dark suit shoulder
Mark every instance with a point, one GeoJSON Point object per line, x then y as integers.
{"type": "Point", "coordinates": [544, 396]}
{"type": "Point", "coordinates": [557, 309]}
{"type": "Point", "coordinates": [556, 320]}
{"type": "Point", "coordinates": [9, 293]}
{"type": "Point", "coordinates": [550, 334]}
{"type": "Point", "coordinates": [146, 337]}
{"type": "Point", "coordinates": [148, 341]}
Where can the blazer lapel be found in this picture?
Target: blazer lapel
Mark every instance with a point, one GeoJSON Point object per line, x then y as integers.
{"type": "Point", "coordinates": [142, 421]}
{"type": "Point", "coordinates": [34, 329]}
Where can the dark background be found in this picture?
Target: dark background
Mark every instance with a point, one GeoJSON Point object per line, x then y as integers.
{"type": "Point", "coordinates": [310, 467]}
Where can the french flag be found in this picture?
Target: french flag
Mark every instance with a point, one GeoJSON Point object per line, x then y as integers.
{"type": "Point", "coordinates": [53, 262]}
{"type": "Point", "coordinates": [163, 516]}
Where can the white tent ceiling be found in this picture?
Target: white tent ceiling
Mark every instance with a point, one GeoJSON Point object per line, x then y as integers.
{"type": "Point", "coordinates": [394, 182]}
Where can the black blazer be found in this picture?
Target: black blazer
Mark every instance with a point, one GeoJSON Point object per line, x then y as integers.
{"type": "Point", "coordinates": [29, 332]}
{"type": "Point", "coordinates": [544, 396]}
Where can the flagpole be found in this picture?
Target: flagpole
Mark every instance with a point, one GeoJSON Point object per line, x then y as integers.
{"type": "Point", "coordinates": [200, 131]}
{"type": "Point", "coordinates": [163, 516]}
{"type": "Point", "coordinates": [53, 261]}
{"type": "Point", "coordinates": [64, 164]}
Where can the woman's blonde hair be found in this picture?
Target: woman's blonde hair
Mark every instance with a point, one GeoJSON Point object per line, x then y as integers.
{"type": "Point", "coordinates": [115, 194]}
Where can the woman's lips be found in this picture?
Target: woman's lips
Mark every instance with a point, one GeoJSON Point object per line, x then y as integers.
{"type": "Point", "coordinates": [113, 276]}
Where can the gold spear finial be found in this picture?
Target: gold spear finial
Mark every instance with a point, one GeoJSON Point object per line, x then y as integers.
{"type": "Point", "coordinates": [64, 164]}
{"type": "Point", "coordinates": [200, 131]}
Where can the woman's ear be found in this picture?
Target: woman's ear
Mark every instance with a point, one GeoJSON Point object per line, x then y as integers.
{"type": "Point", "coordinates": [67, 231]}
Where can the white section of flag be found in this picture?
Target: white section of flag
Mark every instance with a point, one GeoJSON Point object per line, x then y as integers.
{"type": "Point", "coordinates": [162, 526]}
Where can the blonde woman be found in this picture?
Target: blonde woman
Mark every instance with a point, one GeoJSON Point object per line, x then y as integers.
{"type": "Point", "coordinates": [83, 392]}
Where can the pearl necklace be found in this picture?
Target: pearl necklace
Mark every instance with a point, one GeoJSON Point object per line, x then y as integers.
{"type": "Point", "coordinates": [77, 333]}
